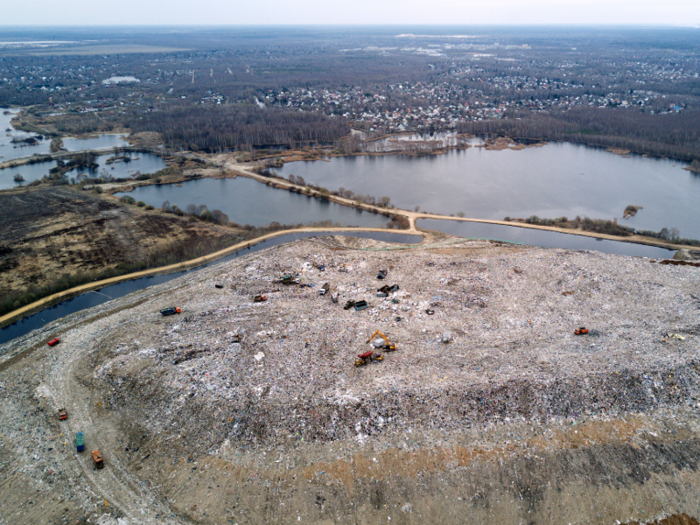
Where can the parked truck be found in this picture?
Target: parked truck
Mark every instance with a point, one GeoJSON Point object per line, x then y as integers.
{"type": "Point", "coordinates": [80, 442]}
{"type": "Point", "coordinates": [97, 459]}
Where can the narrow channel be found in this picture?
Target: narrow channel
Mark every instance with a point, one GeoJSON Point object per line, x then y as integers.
{"type": "Point", "coordinates": [542, 238]}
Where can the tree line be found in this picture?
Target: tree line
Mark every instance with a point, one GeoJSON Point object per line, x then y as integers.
{"type": "Point", "coordinates": [237, 126]}
{"type": "Point", "coordinates": [670, 135]}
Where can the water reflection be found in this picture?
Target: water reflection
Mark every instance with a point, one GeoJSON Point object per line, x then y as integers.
{"type": "Point", "coordinates": [97, 297]}
{"type": "Point", "coordinates": [247, 201]}
{"type": "Point", "coordinates": [556, 180]}
{"type": "Point", "coordinates": [545, 239]}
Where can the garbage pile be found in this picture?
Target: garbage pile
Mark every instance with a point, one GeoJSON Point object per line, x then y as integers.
{"type": "Point", "coordinates": [476, 342]}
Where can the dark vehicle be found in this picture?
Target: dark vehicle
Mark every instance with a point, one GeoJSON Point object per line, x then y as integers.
{"type": "Point", "coordinates": [170, 311]}
{"type": "Point", "coordinates": [80, 442]}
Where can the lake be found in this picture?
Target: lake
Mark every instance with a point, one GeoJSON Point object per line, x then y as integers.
{"type": "Point", "coordinates": [141, 162]}
{"type": "Point", "coordinates": [559, 179]}
{"type": "Point", "coordinates": [247, 201]}
{"type": "Point", "coordinates": [543, 238]}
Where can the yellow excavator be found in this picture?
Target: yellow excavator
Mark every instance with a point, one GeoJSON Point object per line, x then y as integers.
{"type": "Point", "coordinates": [389, 347]}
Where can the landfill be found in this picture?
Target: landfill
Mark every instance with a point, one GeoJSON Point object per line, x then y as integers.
{"type": "Point", "coordinates": [247, 411]}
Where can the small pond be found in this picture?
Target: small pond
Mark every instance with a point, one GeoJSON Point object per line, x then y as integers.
{"type": "Point", "coordinates": [138, 163]}
{"type": "Point", "coordinates": [106, 141]}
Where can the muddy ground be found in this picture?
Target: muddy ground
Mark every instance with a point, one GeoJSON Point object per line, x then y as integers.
{"type": "Point", "coordinates": [49, 232]}
{"type": "Point", "coordinates": [491, 410]}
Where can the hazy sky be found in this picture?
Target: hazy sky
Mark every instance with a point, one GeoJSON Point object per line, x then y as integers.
{"type": "Point", "coordinates": [453, 12]}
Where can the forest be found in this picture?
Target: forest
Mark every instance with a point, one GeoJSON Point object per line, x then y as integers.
{"type": "Point", "coordinates": [216, 129]}
{"type": "Point", "coordinates": [673, 135]}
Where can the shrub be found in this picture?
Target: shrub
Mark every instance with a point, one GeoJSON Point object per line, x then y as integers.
{"type": "Point", "coordinates": [127, 199]}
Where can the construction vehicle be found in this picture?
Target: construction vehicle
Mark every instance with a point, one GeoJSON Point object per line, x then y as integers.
{"type": "Point", "coordinates": [288, 280]}
{"type": "Point", "coordinates": [260, 298]}
{"type": "Point", "coordinates": [581, 331]}
{"type": "Point", "coordinates": [368, 357]}
{"type": "Point", "coordinates": [62, 414]}
{"type": "Point", "coordinates": [54, 341]}
{"type": "Point", "coordinates": [80, 442]}
{"type": "Point", "coordinates": [172, 310]}
{"type": "Point", "coordinates": [97, 459]}
{"type": "Point", "coordinates": [388, 289]}
{"type": "Point", "coordinates": [388, 347]}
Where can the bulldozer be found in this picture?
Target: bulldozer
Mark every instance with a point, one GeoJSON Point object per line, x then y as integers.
{"type": "Point", "coordinates": [388, 347]}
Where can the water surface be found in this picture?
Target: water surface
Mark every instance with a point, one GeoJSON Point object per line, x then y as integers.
{"type": "Point", "coordinates": [543, 238]}
{"type": "Point", "coordinates": [139, 163]}
{"type": "Point", "coordinates": [97, 297]}
{"type": "Point", "coordinates": [106, 141]}
{"type": "Point", "coordinates": [144, 163]}
{"type": "Point", "coordinates": [247, 201]}
{"type": "Point", "coordinates": [8, 150]}
{"type": "Point", "coordinates": [559, 179]}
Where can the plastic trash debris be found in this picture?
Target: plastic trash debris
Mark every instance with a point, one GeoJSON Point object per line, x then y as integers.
{"type": "Point", "coordinates": [679, 337]}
